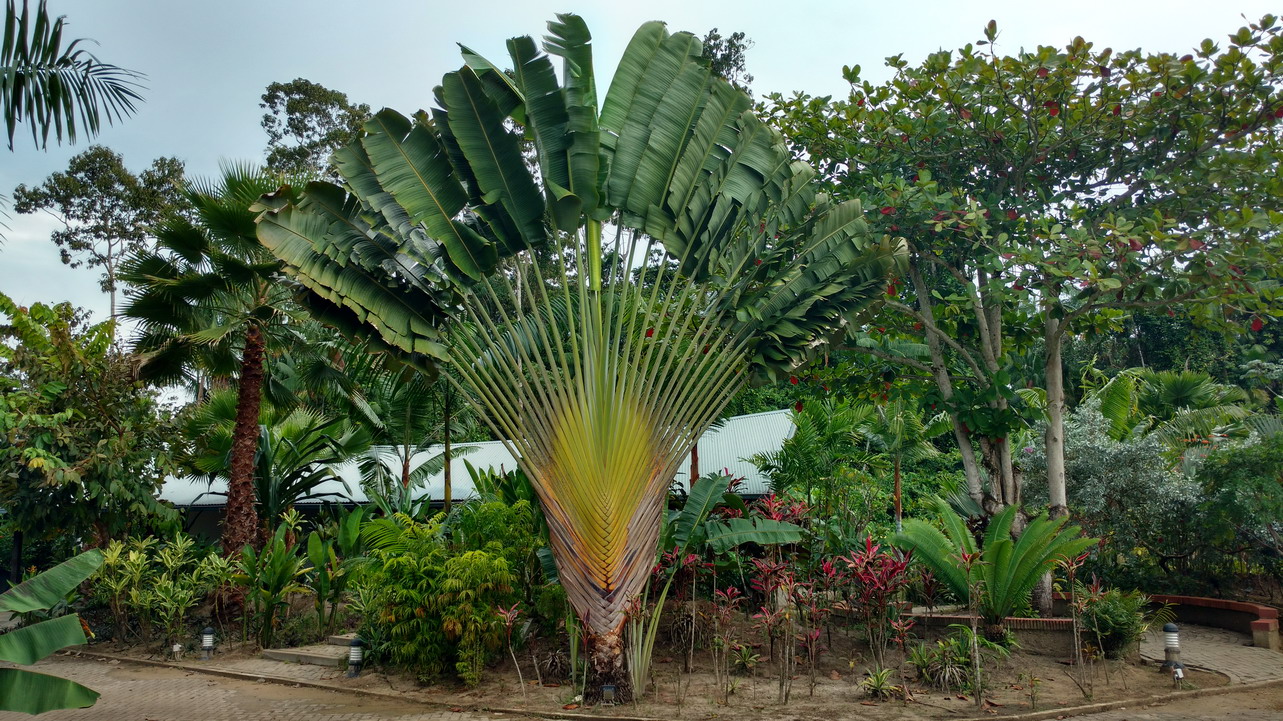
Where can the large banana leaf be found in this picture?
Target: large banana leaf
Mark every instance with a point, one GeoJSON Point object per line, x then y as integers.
{"type": "Point", "coordinates": [37, 693]}
{"type": "Point", "coordinates": [47, 589]}
{"type": "Point", "coordinates": [26, 691]}
{"type": "Point", "coordinates": [31, 643]}
{"type": "Point", "coordinates": [444, 242]}
{"type": "Point", "coordinates": [726, 535]}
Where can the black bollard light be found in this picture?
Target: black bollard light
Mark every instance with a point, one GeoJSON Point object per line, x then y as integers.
{"type": "Point", "coordinates": [207, 643]}
{"type": "Point", "coordinates": [355, 657]}
{"type": "Point", "coordinates": [1172, 652]}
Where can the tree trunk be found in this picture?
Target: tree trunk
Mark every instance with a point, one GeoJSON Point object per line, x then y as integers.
{"type": "Point", "coordinates": [1055, 436]}
{"type": "Point", "coordinates": [448, 491]}
{"type": "Point", "coordinates": [940, 373]}
{"type": "Point", "coordinates": [694, 466]}
{"type": "Point", "coordinates": [15, 560]}
{"type": "Point", "coordinates": [899, 526]}
{"type": "Point", "coordinates": [606, 666]}
{"type": "Point", "coordinates": [240, 523]}
{"type": "Point", "coordinates": [1054, 440]}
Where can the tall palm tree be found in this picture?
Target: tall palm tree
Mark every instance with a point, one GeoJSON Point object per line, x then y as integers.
{"type": "Point", "coordinates": [207, 297]}
{"type": "Point", "coordinates": [599, 384]}
{"type": "Point", "coordinates": [52, 88]}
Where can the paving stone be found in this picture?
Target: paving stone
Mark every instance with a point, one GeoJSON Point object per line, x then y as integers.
{"type": "Point", "coordinates": [1219, 650]}
{"type": "Point", "coordinates": [139, 693]}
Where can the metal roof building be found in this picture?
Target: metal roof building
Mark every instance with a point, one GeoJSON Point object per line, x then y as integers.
{"type": "Point", "coordinates": [724, 448]}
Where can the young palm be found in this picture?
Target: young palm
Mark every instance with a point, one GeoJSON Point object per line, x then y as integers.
{"type": "Point", "coordinates": [598, 383]}
{"type": "Point", "coordinates": [206, 297]}
{"type": "Point", "coordinates": [899, 430]}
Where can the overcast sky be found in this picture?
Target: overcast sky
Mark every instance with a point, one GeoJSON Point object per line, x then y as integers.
{"type": "Point", "coordinates": [207, 64]}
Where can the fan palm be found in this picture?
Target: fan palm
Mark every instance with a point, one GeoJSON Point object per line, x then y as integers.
{"type": "Point", "coordinates": [56, 89]}
{"type": "Point", "coordinates": [1177, 407]}
{"type": "Point", "coordinates": [206, 296]}
{"type": "Point", "coordinates": [598, 382]}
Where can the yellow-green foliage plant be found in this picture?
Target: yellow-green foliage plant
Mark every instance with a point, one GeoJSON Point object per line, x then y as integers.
{"type": "Point", "coordinates": [601, 303]}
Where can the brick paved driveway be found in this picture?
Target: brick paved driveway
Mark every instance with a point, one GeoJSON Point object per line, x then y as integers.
{"type": "Point", "coordinates": [143, 693]}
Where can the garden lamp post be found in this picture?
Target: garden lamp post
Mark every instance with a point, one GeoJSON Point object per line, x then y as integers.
{"type": "Point", "coordinates": [355, 657]}
{"type": "Point", "coordinates": [207, 643]}
{"type": "Point", "coordinates": [1172, 652]}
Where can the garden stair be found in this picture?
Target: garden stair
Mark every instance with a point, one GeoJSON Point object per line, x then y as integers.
{"type": "Point", "coordinates": [331, 653]}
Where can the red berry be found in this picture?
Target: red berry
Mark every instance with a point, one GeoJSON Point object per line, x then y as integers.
{"type": "Point", "coordinates": [1012, 215]}
{"type": "Point", "coordinates": [1257, 325]}
{"type": "Point", "coordinates": [904, 138]}
{"type": "Point", "coordinates": [859, 103]}
{"type": "Point", "coordinates": [888, 210]}
{"type": "Point", "coordinates": [1042, 72]}
{"type": "Point", "coordinates": [650, 332]}
{"type": "Point", "coordinates": [793, 380]}
{"type": "Point", "coordinates": [1278, 112]}
{"type": "Point", "coordinates": [1136, 244]}
{"type": "Point", "coordinates": [798, 406]}
{"type": "Point", "coordinates": [1118, 109]}
{"type": "Point", "coordinates": [758, 261]}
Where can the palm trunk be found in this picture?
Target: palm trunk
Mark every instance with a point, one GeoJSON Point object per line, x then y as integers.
{"type": "Point", "coordinates": [606, 666]}
{"type": "Point", "coordinates": [694, 466]}
{"type": "Point", "coordinates": [448, 491]}
{"type": "Point", "coordinates": [240, 524]}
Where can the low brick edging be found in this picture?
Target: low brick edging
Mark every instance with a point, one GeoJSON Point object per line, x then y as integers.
{"type": "Point", "coordinates": [1062, 712]}
{"type": "Point", "coordinates": [322, 686]}
{"type": "Point", "coordinates": [1260, 622]}
{"type": "Point", "coordinates": [1043, 636]}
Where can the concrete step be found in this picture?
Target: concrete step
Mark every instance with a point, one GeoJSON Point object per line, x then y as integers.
{"type": "Point", "coordinates": [318, 655]}
{"type": "Point", "coordinates": [342, 639]}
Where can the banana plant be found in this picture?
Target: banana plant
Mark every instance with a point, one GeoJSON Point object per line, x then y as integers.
{"type": "Point", "coordinates": [28, 691]}
{"type": "Point", "coordinates": [598, 367]}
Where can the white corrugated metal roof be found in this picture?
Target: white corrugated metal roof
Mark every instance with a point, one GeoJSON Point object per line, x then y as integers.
{"type": "Point", "coordinates": [721, 448]}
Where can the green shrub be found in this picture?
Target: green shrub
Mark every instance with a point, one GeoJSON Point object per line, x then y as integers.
{"type": "Point", "coordinates": [947, 665]}
{"type": "Point", "coordinates": [1112, 620]}
{"type": "Point", "coordinates": [427, 596]}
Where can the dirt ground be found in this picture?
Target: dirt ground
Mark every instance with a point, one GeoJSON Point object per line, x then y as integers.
{"type": "Point", "coordinates": [837, 686]}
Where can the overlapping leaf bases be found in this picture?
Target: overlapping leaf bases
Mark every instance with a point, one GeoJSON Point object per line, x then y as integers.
{"type": "Point", "coordinates": [599, 375]}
